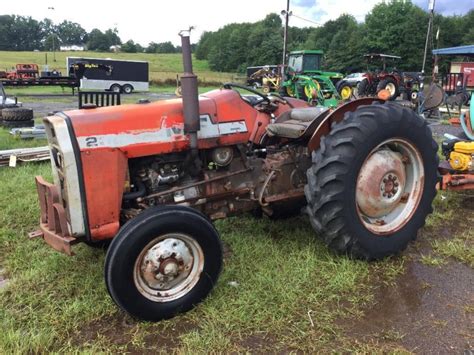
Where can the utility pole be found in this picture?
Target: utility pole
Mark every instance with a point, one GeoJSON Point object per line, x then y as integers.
{"type": "Point", "coordinates": [287, 14]}
{"type": "Point", "coordinates": [431, 5]}
{"type": "Point", "coordinates": [54, 52]}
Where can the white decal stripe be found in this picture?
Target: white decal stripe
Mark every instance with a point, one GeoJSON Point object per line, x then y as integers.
{"type": "Point", "coordinates": [175, 134]}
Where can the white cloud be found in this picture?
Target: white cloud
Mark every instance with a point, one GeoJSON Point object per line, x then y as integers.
{"type": "Point", "coordinates": [325, 10]}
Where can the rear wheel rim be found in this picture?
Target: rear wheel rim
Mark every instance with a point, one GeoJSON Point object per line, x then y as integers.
{"type": "Point", "coordinates": [389, 186]}
{"type": "Point", "coordinates": [168, 267]}
{"type": "Point", "coordinates": [391, 88]}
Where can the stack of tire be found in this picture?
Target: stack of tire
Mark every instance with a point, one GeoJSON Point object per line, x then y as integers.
{"type": "Point", "coordinates": [16, 117]}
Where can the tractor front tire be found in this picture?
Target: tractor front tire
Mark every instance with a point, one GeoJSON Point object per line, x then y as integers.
{"type": "Point", "coordinates": [391, 85]}
{"type": "Point", "coordinates": [163, 262]}
{"type": "Point", "coordinates": [372, 182]}
{"type": "Point", "coordinates": [17, 114]}
{"type": "Point", "coordinates": [344, 89]}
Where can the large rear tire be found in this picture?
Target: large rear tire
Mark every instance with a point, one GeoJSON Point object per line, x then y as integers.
{"type": "Point", "coordinates": [372, 182]}
{"type": "Point", "coordinates": [163, 262]}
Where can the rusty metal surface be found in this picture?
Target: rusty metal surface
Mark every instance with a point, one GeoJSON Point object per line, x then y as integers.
{"type": "Point", "coordinates": [380, 183]}
{"type": "Point", "coordinates": [458, 182]}
{"type": "Point", "coordinates": [53, 223]}
{"type": "Point", "coordinates": [336, 116]}
{"type": "Point", "coordinates": [390, 186]}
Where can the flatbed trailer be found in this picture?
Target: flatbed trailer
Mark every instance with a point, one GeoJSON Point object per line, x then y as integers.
{"type": "Point", "coordinates": [64, 81]}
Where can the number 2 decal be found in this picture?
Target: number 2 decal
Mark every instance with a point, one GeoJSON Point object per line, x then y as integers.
{"type": "Point", "coordinates": [91, 142]}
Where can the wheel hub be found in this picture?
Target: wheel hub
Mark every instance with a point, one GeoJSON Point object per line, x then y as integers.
{"type": "Point", "coordinates": [166, 264]}
{"type": "Point", "coordinates": [387, 170]}
{"type": "Point", "coordinates": [389, 186]}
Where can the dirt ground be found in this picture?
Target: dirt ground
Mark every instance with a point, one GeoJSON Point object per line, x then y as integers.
{"type": "Point", "coordinates": [427, 309]}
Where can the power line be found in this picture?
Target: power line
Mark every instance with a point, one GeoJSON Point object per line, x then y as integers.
{"type": "Point", "coordinates": [305, 19]}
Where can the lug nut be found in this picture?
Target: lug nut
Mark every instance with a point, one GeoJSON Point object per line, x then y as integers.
{"type": "Point", "coordinates": [385, 180]}
{"type": "Point", "coordinates": [389, 195]}
{"type": "Point", "coordinates": [395, 191]}
{"type": "Point", "coordinates": [395, 184]}
{"type": "Point", "coordinates": [394, 177]}
{"type": "Point", "coordinates": [390, 177]}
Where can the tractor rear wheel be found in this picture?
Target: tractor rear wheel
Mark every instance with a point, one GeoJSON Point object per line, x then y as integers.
{"type": "Point", "coordinates": [363, 88]}
{"type": "Point", "coordinates": [372, 182]}
{"type": "Point", "coordinates": [163, 262]}
{"type": "Point", "coordinates": [391, 85]}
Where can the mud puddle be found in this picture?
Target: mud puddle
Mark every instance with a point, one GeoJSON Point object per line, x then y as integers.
{"type": "Point", "coordinates": [428, 310]}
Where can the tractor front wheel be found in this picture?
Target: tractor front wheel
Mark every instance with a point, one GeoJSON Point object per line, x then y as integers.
{"type": "Point", "coordinates": [372, 182]}
{"type": "Point", "coordinates": [163, 262]}
{"type": "Point", "coordinates": [391, 86]}
{"type": "Point", "coordinates": [344, 89]}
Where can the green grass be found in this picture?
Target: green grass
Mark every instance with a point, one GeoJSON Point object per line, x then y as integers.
{"type": "Point", "coordinates": [460, 247]}
{"type": "Point", "coordinates": [163, 67]}
{"type": "Point", "coordinates": [281, 290]}
{"type": "Point", "coordinates": [8, 141]}
{"type": "Point", "coordinates": [276, 273]}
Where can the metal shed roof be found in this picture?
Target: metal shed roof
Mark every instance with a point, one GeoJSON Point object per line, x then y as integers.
{"type": "Point", "coordinates": [461, 50]}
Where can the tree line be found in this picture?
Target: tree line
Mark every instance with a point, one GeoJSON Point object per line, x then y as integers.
{"type": "Point", "coordinates": [397, 27]}
{"type": "Point", "coordinates": [19, 33]}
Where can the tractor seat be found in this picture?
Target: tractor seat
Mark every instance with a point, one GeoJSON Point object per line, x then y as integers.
{"type": "Point", "coordinates": [297, 123]}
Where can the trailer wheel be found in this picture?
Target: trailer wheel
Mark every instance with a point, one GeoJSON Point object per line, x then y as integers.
{"type": "Point", "coordinates": [17, 114]}
{"type": "Point", "coordinates": [127, 89]}
{"type": "Point", "coordinates": [116, 88]}
{"type": "Point", "coordinates": [373, 180]}
{"type": "Point", "coordinates": [162, 262]}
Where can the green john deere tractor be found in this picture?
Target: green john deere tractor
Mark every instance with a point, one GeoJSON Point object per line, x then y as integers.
{"type": "Point", "coordinates": [305, 80]}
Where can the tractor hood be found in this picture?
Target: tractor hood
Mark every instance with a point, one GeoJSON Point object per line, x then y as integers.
{"type": "Point", "coordinates": [127, 126]}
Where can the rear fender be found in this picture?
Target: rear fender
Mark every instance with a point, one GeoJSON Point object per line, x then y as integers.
{"type": "Point", "coordinates": [336, 116]}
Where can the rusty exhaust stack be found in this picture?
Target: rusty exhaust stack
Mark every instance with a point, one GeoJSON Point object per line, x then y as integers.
{"type": "Point", "coordinates": [189, 89]}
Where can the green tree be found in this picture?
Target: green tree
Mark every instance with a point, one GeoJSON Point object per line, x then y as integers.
{"type": "Point", "coordinates": [394, 28]}
{"type": "Point", "coordinates": [6, 24]}
{"type": "Point", "coordinates": [100, 41]}
{"type": "Point", "coordinates": [52, 42]}
{"type": "Point", "coordinates": [129, 47]}
{"type": "Point", "coordinates": [71, 33]}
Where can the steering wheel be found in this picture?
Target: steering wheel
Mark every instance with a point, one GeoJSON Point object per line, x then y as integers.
{"type": "Point", "coordinates": [253, 91]}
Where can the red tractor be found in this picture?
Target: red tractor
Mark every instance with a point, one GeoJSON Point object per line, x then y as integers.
{"type": "Point", "coordinates": [152, 177]}
{"type": "Point", "coordinates": [24, 71]}
{"type": "Point", "coordinates": [377, 80]}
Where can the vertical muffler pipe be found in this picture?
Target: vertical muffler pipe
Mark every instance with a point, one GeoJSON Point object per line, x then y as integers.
{"type": "Point", "coordinates": [189, 89]}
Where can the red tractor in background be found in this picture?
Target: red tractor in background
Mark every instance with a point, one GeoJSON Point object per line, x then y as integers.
{"type": "Point", "coordinates": [23, 71]}
{"type": "Point", "coordinates": [377, 80]}
{"type": "Point", "coordinates": [151, 177]}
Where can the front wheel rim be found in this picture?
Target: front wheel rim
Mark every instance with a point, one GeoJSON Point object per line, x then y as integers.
{"type": "Point", "coordinates": [389, 186]}
{"type": "Point", "coordinates": [346, 92]}
{"type": "Point", "coordinates": [168, 267]}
